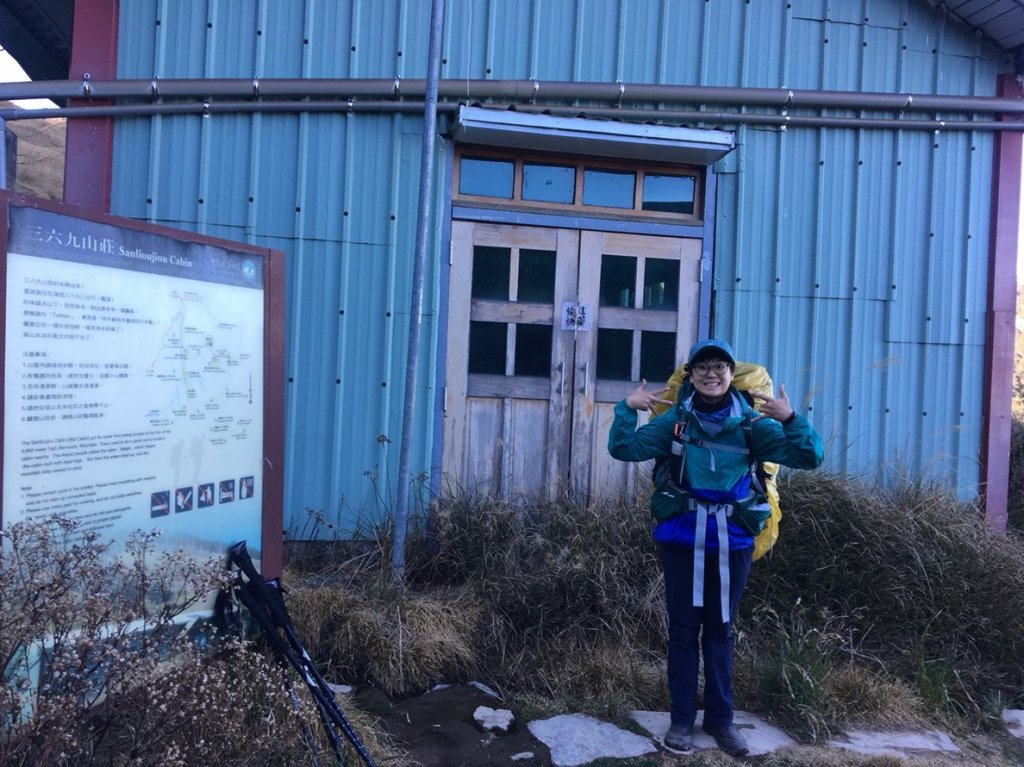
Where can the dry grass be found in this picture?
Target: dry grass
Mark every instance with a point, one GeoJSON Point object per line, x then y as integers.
{"type": "Point", "coordinates": [907, 584]}
{"type": "Point", "coordinates": [1015, 511]}
{"type": "Point", "coordinates": [402, 642]}
{"type": "Point", "coordinates": [876, 607]}
{"type": "Point", "coordinates": [1015, 506]}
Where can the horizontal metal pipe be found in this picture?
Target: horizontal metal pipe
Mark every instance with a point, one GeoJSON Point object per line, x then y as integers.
{"type": "Point", "coordinates": [611, 113]}
{"type": "Point", "coordinates": [530, 90]}
{"type": "Point", "coordinates": [219, 107]}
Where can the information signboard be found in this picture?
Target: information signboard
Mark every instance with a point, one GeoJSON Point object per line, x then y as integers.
{"type": "Point", "coordinates": [135, 372]}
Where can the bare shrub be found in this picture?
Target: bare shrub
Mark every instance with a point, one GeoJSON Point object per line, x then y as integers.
{"type": "Point", "coordinates": [101, 670]}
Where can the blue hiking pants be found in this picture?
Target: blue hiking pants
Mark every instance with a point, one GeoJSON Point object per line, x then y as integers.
{"type": "Point", "coordinates": [686, 640]}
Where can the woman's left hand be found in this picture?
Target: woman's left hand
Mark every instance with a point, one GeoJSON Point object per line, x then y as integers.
{"type": "Point", "coordinates": [774, 407]}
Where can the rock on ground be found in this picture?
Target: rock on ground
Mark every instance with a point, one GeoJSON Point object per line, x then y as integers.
{"type": "Point", "coordinates": [576, 739]}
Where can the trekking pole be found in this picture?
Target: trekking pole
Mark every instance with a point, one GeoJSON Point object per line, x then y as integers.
{"type": "Point", "coordinates": [277, 606]}
{"type": "Point", "coordinates": [307, 736]}
{"type": "Point", "coordinates": [247, 595]}
{"type": "Point", "coordinates": [270, 595]}
{"type": "Point", "coordinates": [226, 611]}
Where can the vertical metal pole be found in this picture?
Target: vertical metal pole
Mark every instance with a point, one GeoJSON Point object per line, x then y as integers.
{"type": "Point", "coordinates": [423, 224]}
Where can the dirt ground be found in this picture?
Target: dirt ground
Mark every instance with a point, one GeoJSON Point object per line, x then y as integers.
{"type": "Point", "coordinates": [438, 730]}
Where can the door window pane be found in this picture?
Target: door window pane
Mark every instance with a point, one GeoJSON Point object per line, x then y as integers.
{"type": "Point", "coordinates": [487, 178]}
{"type": "Point", "coordinates": [661, 284]}
{"type": "Point", "coordinates": [668, 194]}
{"type": "Point", "coordinates": [488, 343]}
{"type": "Point", "coordinates": [608, 188]}
{"type": "Point", "coordinates": [657, 355]}
{"type": "Point", "coordinates": [614, 354]}
{"type": "Point", "coordinates": [537, 276]}
{"type": "Point", "coordinates": [491, 267]}
{"type": "Point", "coordinates": [618, 281]}
{"type": "Point", "coordinates": [533, 350]}
{"type": "Point", "coordinates": [548, 183]}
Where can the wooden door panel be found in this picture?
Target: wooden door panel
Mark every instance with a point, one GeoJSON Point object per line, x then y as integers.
{"type": "Point", "coordinates": [522, 417]}
{"type": "Point", "coordinates": [481, 466]}
{"type": "Point", "coordinates": [528, 439]}
{"type": "Point", "coordinates": [492, 311]}
{"type": "Point", "coordinates": [509, 454]}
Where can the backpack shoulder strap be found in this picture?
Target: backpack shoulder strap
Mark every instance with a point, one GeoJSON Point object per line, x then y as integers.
{"type": "Point", "coordinates": [757, 475]}
{"type": "Point", "coordinates": [679, 436]}
{"type": "Point", "coordinates": [748, 421]}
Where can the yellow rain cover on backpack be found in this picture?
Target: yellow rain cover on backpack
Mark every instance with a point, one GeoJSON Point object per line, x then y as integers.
{"type": "Point", "coordinates": [751, 377]}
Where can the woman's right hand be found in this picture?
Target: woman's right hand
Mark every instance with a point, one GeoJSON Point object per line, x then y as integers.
{"type": "Point", "coordinates": [641, 399]}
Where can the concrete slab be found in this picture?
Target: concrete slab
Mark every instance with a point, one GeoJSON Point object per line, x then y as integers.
{"type": "Point", "coordinates": [576, 739]}
{"type": "Point", "coordinates": [762, 737]}
{"type": "Point", "coordinates": [889, 743]}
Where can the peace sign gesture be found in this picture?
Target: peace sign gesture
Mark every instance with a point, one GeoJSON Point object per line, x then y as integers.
{"type": "Point", "coordinates": [641, 399]}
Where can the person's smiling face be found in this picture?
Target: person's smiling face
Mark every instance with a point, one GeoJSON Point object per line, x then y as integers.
{"type": "Point", "coordinates": [711, 378]}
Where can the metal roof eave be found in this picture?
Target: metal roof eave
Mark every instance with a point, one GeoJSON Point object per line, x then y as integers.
{"type": "Point", "coordinates": [577, 135]}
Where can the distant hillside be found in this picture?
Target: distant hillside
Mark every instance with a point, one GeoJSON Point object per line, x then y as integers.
{"type": "Point", "coordinates": [40, 167]}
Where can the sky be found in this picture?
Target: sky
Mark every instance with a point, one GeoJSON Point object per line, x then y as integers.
{"type": "Point", "coordinates": [10, 72]}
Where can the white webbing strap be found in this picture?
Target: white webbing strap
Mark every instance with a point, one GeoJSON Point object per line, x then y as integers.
{"type": "Point", "coordinates": [700, 534]}
{"type": "Point", "coordinates": [723, 559]}
{"type": "Point", "coordinates": [720, 512]}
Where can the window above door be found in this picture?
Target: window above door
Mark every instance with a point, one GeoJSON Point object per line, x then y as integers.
{"type": "Point", "coordinates": [585, 187]}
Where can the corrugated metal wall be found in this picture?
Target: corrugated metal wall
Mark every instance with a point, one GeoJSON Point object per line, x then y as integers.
{"type": "Point", "coordinates": [853, 262]}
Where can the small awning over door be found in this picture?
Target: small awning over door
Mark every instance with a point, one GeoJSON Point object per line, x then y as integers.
{"type": "Point", "coordinates": [600, 138]}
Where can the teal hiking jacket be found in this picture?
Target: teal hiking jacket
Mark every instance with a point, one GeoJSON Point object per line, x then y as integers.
{"type": "Point", "coordinates": [712, 474]}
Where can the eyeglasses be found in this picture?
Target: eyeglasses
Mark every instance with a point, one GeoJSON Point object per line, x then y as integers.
{"type": "Point", "coordinates": [704, 368]}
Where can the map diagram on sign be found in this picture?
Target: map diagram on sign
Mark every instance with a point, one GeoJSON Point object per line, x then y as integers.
{"type": "Point", "coordinates": [200, 379]}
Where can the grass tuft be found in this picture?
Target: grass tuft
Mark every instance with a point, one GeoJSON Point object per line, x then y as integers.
{"type": "Point", "coordinates": [401, 642]}
{"type": "Point", "coordinates": [908, 582]}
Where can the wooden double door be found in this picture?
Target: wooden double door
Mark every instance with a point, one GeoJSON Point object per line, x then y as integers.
{"type": "Point", "coordinates": [547, 329]}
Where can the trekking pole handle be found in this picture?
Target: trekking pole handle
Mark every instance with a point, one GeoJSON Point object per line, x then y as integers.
{"type": "Point", "coordinates": [240, 556]}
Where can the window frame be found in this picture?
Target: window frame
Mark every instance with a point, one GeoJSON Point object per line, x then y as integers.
{"type": "Point", "coordinates": [580, 164]}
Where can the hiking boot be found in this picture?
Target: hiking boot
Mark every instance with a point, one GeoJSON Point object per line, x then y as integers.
{"type": "Point", "coordinates": [728, 739]}
{"type": "Point", "coordinates": [679, 737]}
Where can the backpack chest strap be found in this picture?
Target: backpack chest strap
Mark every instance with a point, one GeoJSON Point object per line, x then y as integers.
{"type": "Point", "coordinates": [682, 439]}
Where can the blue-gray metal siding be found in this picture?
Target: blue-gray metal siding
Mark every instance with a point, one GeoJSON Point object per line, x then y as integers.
{"type": "Point", "coordinates": [852, 262]}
